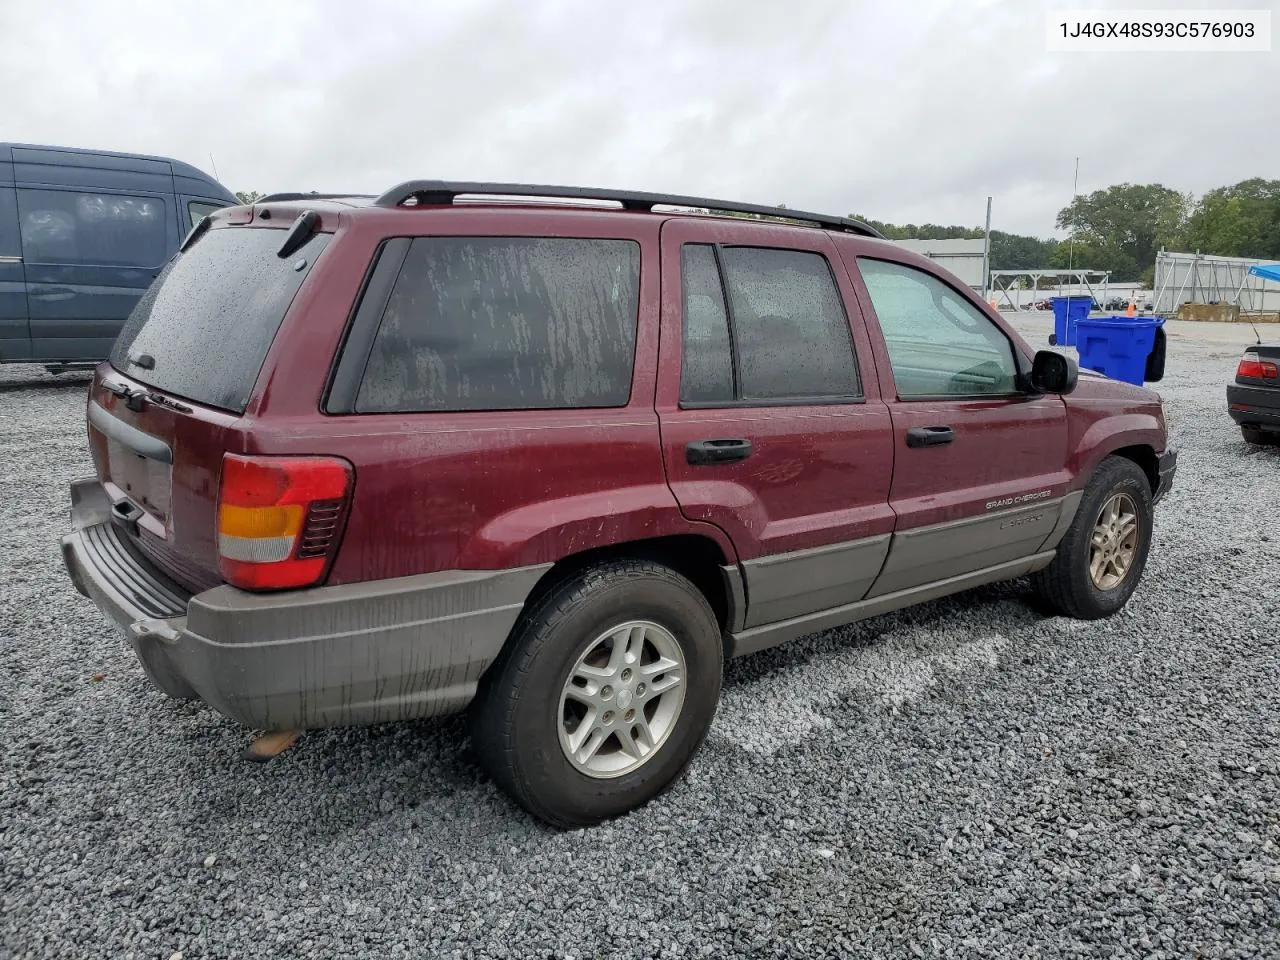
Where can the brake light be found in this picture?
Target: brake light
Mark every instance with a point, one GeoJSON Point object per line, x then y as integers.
{"type": "Point", "coordinates": [1253, 368]}
{"type": "Point", "coordinates": [279, 519]}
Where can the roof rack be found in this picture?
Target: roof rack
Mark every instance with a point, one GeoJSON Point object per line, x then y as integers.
{"type": "Point", "coordinates": [445, 192]}
{"type": "Point", "coordinates": [280, 197]}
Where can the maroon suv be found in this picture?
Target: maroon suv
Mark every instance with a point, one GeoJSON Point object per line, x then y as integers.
{"type": "Point", "coordinates": [369, 459]}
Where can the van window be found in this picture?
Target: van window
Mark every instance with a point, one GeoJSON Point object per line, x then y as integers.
{"type": "Point", "coordinates": [481, 323]}
{"type": "Point", "coordinates": [99, 229]}
{"type": "Point", "coordinates": [209, 318]}
{"type": "Point", "coordinates": [197, 210]}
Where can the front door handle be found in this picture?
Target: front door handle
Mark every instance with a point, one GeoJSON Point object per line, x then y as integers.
{"type": "Point", "coordinates": [929, 436]}
{"type": "Point", "coordinates": [702, 452]}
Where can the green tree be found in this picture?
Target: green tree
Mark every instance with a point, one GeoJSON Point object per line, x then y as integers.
{"type": "Point", "coordinates": [1089, 254]}
{"type": "Point", "coordinates": [249, 196]}
{"type": "Point", "coordinates": [1125, 224]}
{"type": "Point", "coordinates": [1013, 251]}
{"type": "Point", "coordinates": [1242, 220]}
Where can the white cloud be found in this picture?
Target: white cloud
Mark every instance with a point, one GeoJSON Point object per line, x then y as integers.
{"type": "Point", "coordinates": [906, 112]}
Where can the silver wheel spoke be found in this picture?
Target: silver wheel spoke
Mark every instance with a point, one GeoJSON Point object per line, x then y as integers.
{"type": "Point", "coordinates": [635, 746]}
{"type": "Point", "coordinates": [1096, 566]}
{"type": "Point", "coordinates": [585, 728]}
{"type": "Point", "coordinates": [627, 644]}
{"type": "Point", "coordinates": [592, 746]}
{"type": "Point", "coordinates": [664, 683]}
{"type": "Point", "coordinates": [661, 665]}
{"type": "Point", "coordinates": [1128, 527]}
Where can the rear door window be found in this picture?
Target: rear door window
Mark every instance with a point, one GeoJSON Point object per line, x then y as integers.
{"type": "Point", "coordinates": [202, 330]}
{"type": "Point", "coordinates": [483, 323]}
{"type": "Point", "coordinates": [763, 325]}
{"type": "Point", "coordinates": [94, 229]}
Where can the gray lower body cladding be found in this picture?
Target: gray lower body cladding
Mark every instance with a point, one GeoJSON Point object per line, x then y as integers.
{"type": "Point", "coordinates": [361, 653]}
{"type": "Point", "coordinates": [417, 646]}
{"type": "Point", "coordinates": [913, 567]}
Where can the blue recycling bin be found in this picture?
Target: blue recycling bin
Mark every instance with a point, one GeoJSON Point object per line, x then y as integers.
{"type": "Point", "coordinates": [1067, 312]}
{"type": "Point", "coordinates": [1118, 347]}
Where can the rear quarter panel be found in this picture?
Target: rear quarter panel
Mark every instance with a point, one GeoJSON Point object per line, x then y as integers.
{"type": "Point", "coordinates": [471, 490]}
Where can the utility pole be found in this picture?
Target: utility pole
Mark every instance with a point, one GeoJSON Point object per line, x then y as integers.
{"type": "Point", "coordinates": [986, 256]}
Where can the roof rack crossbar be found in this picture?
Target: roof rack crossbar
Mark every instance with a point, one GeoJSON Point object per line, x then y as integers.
{"type": "Point", "coordinates": [281, 197]}
{"type": "Point", "coordinates": [445, 192]}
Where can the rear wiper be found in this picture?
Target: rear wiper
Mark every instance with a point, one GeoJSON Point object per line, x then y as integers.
{"type": "Point", "coordinates": [135, 400]}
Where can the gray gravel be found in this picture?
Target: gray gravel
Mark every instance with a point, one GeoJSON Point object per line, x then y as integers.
{"type": "Point", "coordinates": [965, 779]}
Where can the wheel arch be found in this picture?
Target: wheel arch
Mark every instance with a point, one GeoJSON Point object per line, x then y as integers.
{"type": "Point", "coordinates": [698, 558]}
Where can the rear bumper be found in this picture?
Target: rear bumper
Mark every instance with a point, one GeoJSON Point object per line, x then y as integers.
{"type": "Point", "coordinates": [1254, 406]}
{"type": "Point", "coordinates": [359, 653]}
{"type": "Point", "coordinates": [1166, 466]}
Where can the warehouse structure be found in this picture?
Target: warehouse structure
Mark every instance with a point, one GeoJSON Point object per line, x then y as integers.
{"type": "Point", "coordinates": [1200, 278]}
{"type": "Point", "coordinates": [964, 258]}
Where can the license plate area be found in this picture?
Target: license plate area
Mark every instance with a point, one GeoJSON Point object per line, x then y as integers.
{"type": "Point", "coordinates": [143, 482]}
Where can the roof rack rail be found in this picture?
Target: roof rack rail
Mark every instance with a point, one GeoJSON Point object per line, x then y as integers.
{"type": "Point", "coordinates": [445, 191]}
{"type": "Point", "coordinates": [280, 197]}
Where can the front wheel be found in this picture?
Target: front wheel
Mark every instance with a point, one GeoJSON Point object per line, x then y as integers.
{"type": "Point", "coordinates": [602, 695]}
{"type": "Point", "coordinates": [1101, 558]}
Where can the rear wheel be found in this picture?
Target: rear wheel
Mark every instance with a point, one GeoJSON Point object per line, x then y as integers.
{"type": "Point", "coordinates": [605, 691]}
{"type": "Point", "coordinates": [1263, 438]}
{"type": "Point", "coordinates": [1101, 558]}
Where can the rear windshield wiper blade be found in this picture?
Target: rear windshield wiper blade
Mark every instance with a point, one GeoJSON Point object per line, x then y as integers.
{"type": "Point", "coordinates": [135, 400]}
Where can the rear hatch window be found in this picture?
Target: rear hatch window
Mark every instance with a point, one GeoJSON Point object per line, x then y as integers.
{"type": "Point", "coordinates": [203, 329]}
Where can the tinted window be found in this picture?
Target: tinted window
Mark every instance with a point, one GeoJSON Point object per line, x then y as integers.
{"type": "Point", "coordinates": [478, 323]}
{"type": "Point", "coordinates": [790, 328]}
{"type": "Point", "coordinates": [706, 363]}
{"type": "Point", "coordinates": [198, 210]}
{"type": "Point", "coordinates": [939, 343]}
{"type": "Point", "coordinates": [211, 315]}
{"type": "Point", "coordinates": [62, 227]}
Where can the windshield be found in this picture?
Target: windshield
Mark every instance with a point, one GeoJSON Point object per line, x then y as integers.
{"type": "Point", "coordinates": [203, 329]}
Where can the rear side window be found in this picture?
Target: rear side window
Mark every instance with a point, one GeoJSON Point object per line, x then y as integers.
{"type": "Point", "coordinates": [481, 323]}
{"type": "Point", "coordinates": [202, 330]}
{"type": "Point", "coordinates": [93, 229]}
{"type": "Point", "coordinates": [706, 367]}
{"type": "Point", "coordinates": [764, 325]}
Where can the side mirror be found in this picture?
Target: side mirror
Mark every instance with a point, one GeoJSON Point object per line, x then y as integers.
{"type": "Point", "coordinates": [1052, 372]}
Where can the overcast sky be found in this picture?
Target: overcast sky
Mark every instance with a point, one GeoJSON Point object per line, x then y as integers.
{"type": "Point", "coordinates": [902, 111]}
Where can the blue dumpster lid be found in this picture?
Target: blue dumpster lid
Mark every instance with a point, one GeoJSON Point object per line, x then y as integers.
{"type": "Point", "coordinates": [1119, 320]}
{"type": "Point", "coordinates": [1267, 271]}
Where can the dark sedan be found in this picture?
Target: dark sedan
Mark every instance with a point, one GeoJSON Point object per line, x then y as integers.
{"type": "Point", "coordinates": [1254, 399]}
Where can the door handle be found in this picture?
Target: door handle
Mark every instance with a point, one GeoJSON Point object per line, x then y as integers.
{"type": "Point", "coordinates": [929, 436]}
{"type": "Point", "coordinates": [702, 452]}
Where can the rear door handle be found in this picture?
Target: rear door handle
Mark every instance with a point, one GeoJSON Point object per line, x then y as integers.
{"type": "Point", "coordinates": [702, 452]}
{"type": "Point", "coordinates": [929, 436]}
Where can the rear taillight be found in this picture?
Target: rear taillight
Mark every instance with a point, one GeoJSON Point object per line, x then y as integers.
{"type": "Point", "coordinates": [1253, 368]}
{"type": "Point", "coordinates": [279, 519]}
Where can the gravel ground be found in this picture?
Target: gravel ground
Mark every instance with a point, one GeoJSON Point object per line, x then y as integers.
{"type": "Point", "coordinates": [965, 779]}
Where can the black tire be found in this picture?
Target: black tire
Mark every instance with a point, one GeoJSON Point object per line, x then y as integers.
{"type": "Point", "coordinates": [1262, 438]}
{"type": "Point", "coordinates": [516, 717]}
{"type": "Point", "coordinates": [1065, 587]}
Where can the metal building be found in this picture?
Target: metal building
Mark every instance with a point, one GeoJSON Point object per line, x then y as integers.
{"type": "Point", "coordinates": [1200, 278]}
{"type": "Point", "coordinates": [961, 257]}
